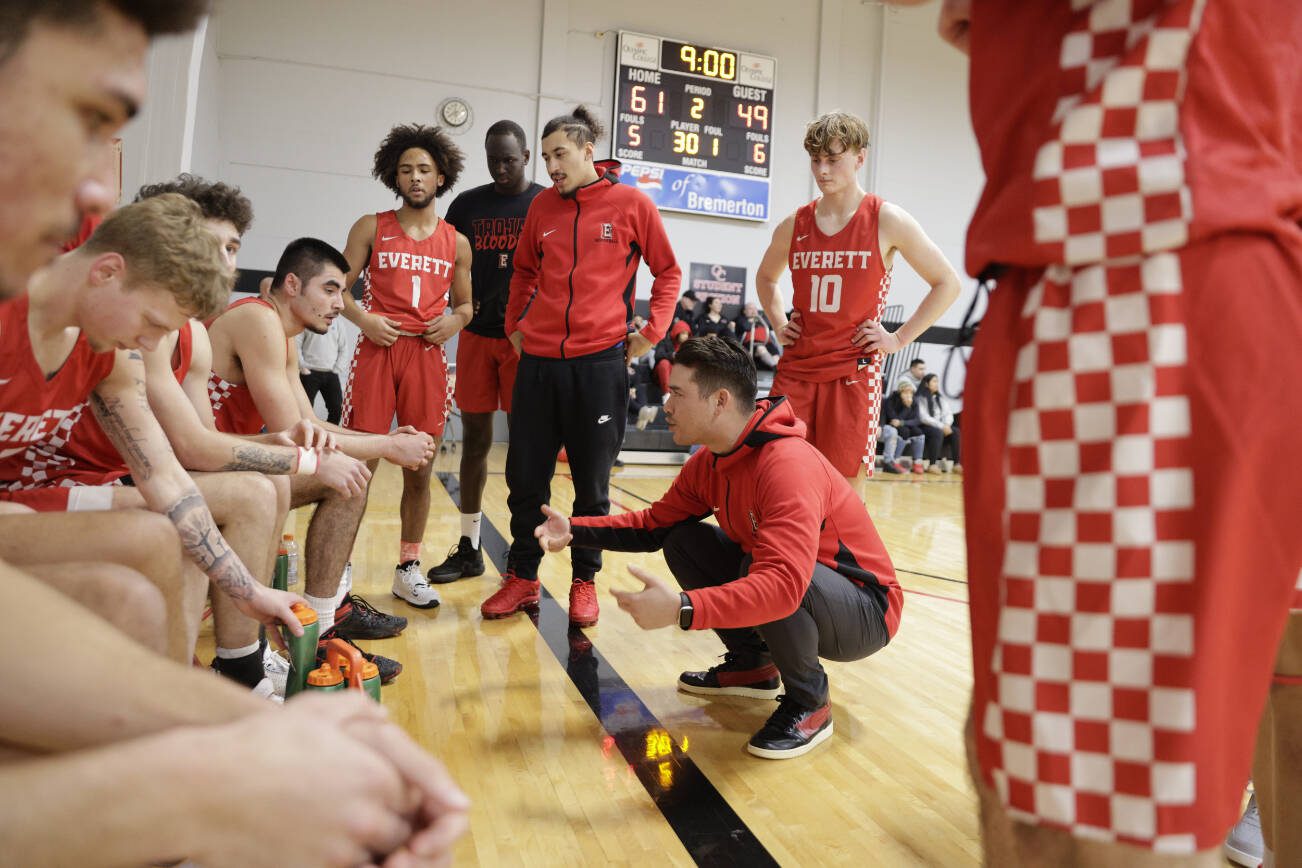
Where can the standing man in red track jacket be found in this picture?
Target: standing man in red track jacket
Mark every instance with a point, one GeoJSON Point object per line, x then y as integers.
{"type": "Point", "coordinates": [570, 303]}
{"type": "Point", "coordinates": [795, 570]}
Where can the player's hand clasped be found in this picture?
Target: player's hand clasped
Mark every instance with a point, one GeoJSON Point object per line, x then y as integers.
{"type": "Point", "coordinates": [379, 330]}
{"type": "Point", "coordinates": [653, 607]}
{"type": "Point", "coordinates": [789, 332]}
{"type": "Point", "coordinates": [440, 330]}
{"type": "Point", "coordinates": [409, 448]}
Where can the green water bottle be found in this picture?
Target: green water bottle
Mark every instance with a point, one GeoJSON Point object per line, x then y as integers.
{"type": "Point", "coordinates": [302, 649]}
{"type": "Point", "coordinates": [371, 680]}
{"type": "Point", "coordinates": [280, 579]}
{"type": "Point", "coordinates": [325, 677]}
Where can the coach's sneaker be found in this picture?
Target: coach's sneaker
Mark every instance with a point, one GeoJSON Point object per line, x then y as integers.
{"type": "Point", "coordinates": [514, 595]}
{"type": "Point", "coordinates": [410, 585]}
{"type": "Point", "coordinates": [357, 619]}
{"type": "Point", "coordinates": [583, 603]}
{"type": "Point", "coordinates": [792, 730]}
{"type": "Point", "coordinates": [389, 668]}
{"type": "Point", "coordinates": [464, 562]}
{"type": "Point", "coordinates": [737, 675]}
{"type": "Point", "coordinates": [1244, 845]}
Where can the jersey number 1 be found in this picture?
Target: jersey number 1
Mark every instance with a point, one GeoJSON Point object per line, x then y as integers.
{"type": "Point", "coordinates": [415, 291]}
{"type": "Point", "coordinates": [825, 294]}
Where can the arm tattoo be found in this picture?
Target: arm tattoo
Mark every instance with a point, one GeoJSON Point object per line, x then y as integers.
{"type": "Point", "coordinates": [206, 546]}
{"type": "Point", "coordinates": [127, 439]}
{"type": "Point", "coordinates": [261, 459]}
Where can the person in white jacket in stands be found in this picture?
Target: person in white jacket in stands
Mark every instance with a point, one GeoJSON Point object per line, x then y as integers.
{"type": "Point", "coordinates": [941, 451]}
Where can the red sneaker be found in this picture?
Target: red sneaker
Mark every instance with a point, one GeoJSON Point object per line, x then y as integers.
{"type": "Point", "coordinates": [514, 595]}
{"type": "Point", "coordinates": [918, 468]}
{"type": "Point", "coordinates": [562, 456]}
{"type": "Point", "coordinates": [583, 603]}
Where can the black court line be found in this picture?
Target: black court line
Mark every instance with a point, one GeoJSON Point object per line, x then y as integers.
{"type": "Point", "coordinates": [698, 813]}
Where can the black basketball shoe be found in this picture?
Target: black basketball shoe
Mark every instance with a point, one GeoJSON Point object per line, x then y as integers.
{"type": "Point", "coordinates": [792, 730]}
{"type": "Point", "coordinates": [357, 619]}
{"type": "Point", "coordinates": [737, 675]}
{"type": "Point", "coordinates": [464, 562]}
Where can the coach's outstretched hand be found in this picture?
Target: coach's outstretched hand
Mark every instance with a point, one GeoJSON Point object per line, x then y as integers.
{"type": "Point", "coordinates": [653, 607]}
{"type": "Point", "coordinates": [554, 533]}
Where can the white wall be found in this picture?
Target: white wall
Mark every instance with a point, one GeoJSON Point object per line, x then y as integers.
{"type": "Point", "coordinates": [293, 97]}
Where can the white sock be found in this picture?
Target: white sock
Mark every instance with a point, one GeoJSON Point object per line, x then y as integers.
{"type": "Point", "coordinates": [325, 610]}
{"type": "Point", "coordinates": [470, 523]}
{"type": "Point", "coordinates": [237, 653]}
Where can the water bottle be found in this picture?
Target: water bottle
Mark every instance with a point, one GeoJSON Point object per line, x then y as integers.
{"type": "Point", "coordinates": [358, 672]}
{"type": "Point", "coordinates": [290, 548]}
{"type": "Point", "coordinates": [371, 680]}
{"type": "Point", "coordinates": [280, 578]}
{"type": "Point", "coordinates": [325, 677]}
{"type": "Point", "coordinates": [302, 649]}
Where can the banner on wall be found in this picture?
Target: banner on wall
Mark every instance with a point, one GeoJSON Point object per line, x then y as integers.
{"type": "Point", "coordinates": [699, 192]}
{"type": "Point", "coordinates": [728, 282]}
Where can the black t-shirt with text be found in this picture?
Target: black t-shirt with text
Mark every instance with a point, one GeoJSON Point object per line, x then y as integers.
{"type": "Point", "coordinates": [492, 222]}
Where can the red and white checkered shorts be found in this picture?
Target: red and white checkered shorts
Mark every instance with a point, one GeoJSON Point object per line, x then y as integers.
{"type": "Point", "coordinates": [1132, 539]}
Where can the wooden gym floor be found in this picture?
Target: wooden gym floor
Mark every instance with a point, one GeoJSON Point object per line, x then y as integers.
{"type": "Point", "coordinates": [577, 750]}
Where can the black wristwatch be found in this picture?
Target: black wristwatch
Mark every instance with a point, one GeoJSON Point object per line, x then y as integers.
{"type": "Point", "coordinates": [685, 611]}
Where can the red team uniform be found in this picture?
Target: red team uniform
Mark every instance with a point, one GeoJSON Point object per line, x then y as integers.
{"type": "Point", "coordinates": [407, 281]}
{"type": "Point", "coordinates": [36, 413]}
{"type": "Point", "coordinates": [835, 387]}
{"type": "Point", "coordinates": [1132, 539]}
{"type": "Point", "coordinates": [233, 408]}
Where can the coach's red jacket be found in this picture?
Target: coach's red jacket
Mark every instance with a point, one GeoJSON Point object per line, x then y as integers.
{"type": "Point", "coordinates": [778, 498]}
{"type": "Point", "coordinates": [576, 268]}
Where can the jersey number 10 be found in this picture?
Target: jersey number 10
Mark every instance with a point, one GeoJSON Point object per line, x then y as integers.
{"type": "Point", "coordinates": [825, 294]}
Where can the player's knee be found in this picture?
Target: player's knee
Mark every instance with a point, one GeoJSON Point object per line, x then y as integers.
{"type": "Point", "coordinates": [259, 496]}
{"type": "Point", "coordinates": [134, 605]}
{"type": "Point", "coordinates": [281, 484]}
{"type": "Point", "coordinates": [157, 545]}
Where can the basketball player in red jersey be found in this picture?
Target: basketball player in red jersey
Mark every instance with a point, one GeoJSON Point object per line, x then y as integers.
{"type": "Point", "coordinates": [841, 248]}
{"type": "Point", "coordinates": [73, 338]}
{"type": "Point", "coordinates": [410, 259]}
{"type": "Point", "coordinates": [249, 507]}
{"type": "Point", "coordinates": [255, 384]}
{"type": "Point", "coordinates": [1129, 585]}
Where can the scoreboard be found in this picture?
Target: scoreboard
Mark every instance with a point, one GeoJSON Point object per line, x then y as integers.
{"type": "Point", "coordinates": [693, 125]}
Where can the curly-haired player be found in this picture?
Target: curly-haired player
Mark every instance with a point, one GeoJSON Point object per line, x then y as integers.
{"type": "Point", "coordinates": [410, 259]}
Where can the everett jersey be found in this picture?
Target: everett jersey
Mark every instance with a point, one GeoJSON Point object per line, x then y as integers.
{"type": "Point", "coordinates": [88, 457]}
{"type": "Point", "coordinates": [35, 409]}
{"type": "Point", "coordinates": [233, 408]}
{"type": "Point", "coordinates": [408, 280]}
{"type": "Point", "coordinates": [839, 281]}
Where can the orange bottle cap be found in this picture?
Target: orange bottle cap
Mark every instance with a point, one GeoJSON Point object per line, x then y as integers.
{"type": "Point", "coordinates": [306, 614]}
{"type": "Point", "coordinates": [289, 537]}
{"type": "Point", "coordinates": [369, 671]}
{"type": "Point", "coordinates": [324, 676]}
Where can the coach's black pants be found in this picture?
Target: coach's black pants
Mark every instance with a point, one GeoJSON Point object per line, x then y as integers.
{"type": "Point", "coordinates": [577, 403]}
{"type": "Point", "coordinates": [837, 619]}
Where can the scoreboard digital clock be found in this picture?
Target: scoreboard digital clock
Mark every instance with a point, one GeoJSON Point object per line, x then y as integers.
{"type": "Point", "coordinates": [693, 125]}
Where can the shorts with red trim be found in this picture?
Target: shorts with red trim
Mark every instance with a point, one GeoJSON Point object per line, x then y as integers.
{"type": "Point", "coordinates": [408, 378]}
{"type": "Point", "coordinates": [842, 415]}
{"type": "Point", "coordinates": [79, 498]}
{"type": "Point", "coordinates": [485, 373]}
{"type": "Point", "coordinates": [1132, 537]}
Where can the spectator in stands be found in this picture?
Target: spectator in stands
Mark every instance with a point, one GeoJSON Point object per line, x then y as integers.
{"type": "Point", "coordinates": [939, 428]}
{"type": "Point", "coordinates": [900, 412]}
{"type": "Point", "coordinates": [917, 370]}
{"type": "Point", "coordinates": [665, 351]}
{"type": "Point", "coordinates": [756, 336]}
{"type": "Point", "coordinates": [320, 358]}
{"type": "Point", "coordinates": [687, 310]}
{"type": "Point", "coordinates": [712, 321]}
